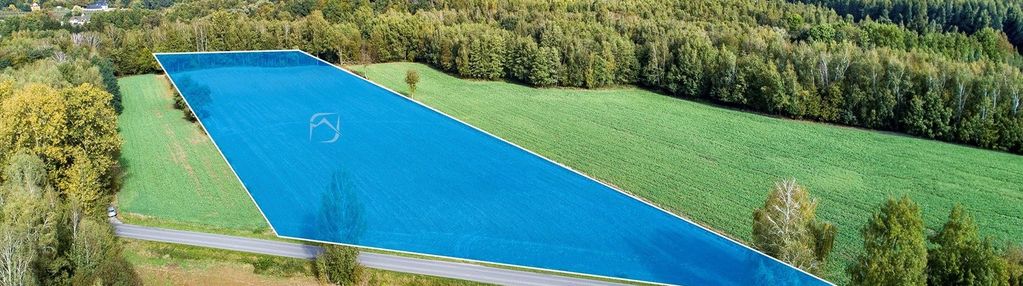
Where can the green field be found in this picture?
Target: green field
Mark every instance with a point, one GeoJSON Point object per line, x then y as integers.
{"type": "Point", "coordinates": [716, 165]}
{"type": "Point", "coordinates": [711, 164]}
{"type": "Point", "coordinates": [172, 171]}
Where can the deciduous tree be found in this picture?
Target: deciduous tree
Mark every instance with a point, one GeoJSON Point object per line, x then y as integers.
{"type": "Point", "coordinates": [786, 228]}
{"type": "Point", "coordinates": [961, 256]}
{"type": "Point", "coordinates": [894, 247]}
{"type": "Point", "coordinates": [412, 79]}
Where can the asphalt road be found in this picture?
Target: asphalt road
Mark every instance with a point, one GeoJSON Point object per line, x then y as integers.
{"type": "Point", "coordinates": [456, 270]}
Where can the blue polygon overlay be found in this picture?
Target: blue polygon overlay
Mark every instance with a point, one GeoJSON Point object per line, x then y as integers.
{"type": "Point", "coordinates": [403, 177]}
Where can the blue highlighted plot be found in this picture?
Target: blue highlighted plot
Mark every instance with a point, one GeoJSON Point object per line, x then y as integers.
{"type": "Point", "coordinates": [328, 156]}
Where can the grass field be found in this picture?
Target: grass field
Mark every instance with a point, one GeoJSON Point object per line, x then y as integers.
{"type": "Point", "coordinates": [172, 170]}
{"type": "Point", "coordinates": [716, 165]}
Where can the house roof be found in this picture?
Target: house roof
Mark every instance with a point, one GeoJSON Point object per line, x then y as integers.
{"type": "Point", "coordinates": [99, 4]}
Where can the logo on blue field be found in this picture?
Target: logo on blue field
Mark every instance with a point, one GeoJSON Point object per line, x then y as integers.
{"type": "Point", "coordinates": [331, 131]}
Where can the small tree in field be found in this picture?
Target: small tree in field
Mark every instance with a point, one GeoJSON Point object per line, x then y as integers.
{"type": "Point", "coordinates": [786, 228]}
{"type": "Point", "coordinates": [412, 78]}
{"type": "Point", "coordinates": [338, 265]}
{"type": "Point", "coordinates": [962, 257]}
{"type": "Point", "coordinates": [894, 248]}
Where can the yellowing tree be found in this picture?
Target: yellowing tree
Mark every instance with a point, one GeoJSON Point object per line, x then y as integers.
{"type": "Point", "coordinates": [73, 130]}
{"type": "Point", "coordinates": [27, 219]}
{"type": "Point", "coordinates": [92, 126]}
{"type": "Point", "coordinates": [34, 119]}
{"type": "Point", "coordinates": [82, 187]}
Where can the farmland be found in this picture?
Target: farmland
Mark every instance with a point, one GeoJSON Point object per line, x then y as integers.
{"type": "Point", "coordinates": [716, 165]}
{"type": "Point", "coordinates": [172, 170]}
{"type": "Point", "coordinates": [711, 164]}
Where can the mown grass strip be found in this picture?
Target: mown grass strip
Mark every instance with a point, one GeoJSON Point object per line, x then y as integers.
{"type": "Point", "coordinates": [172, 171]}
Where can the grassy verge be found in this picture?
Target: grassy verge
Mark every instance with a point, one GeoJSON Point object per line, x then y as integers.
{"type": "Point", "coordinates": [716, 165]}
{"type": "Point", "coordinates": [137, 219]}
{"type": "Point", "coordinates": [170, 264]}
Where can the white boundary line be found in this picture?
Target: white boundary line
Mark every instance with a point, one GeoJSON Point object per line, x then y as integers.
{"type": "Point", "coordinates": [395, 93]}
{"type": "Point", "coordinates": [171, 80]}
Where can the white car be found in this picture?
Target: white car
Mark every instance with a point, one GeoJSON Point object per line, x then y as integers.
{"type": "Point", "coordinates": [111, 211]}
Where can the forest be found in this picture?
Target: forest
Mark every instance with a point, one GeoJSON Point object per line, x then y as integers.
{"type": "Point", "coordinates": [59, 149]}
{"type": "Point", "coordinates": [802, 61]}
{"type": "Point", "coordinates": [941, 15]}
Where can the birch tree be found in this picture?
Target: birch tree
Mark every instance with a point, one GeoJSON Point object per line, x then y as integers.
{"type": "Point", "coordinates": [786, 228]}
{"type": "Point", "coordinates": [25, 218]}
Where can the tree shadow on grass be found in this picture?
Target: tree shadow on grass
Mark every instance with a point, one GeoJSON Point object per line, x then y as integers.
{"type": "Point", "coordinates": [340, 215]}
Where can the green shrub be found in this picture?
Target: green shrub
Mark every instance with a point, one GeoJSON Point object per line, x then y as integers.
{"type": "Point", "coordinates": [278, 266]}
{"type": "Point", "coordinates": [338, 264]}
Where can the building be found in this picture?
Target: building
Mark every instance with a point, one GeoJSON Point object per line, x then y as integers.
{"type": "Point", "coordinates": [78, 21]}
{"type": "Point", "coordinates": [99, 5]}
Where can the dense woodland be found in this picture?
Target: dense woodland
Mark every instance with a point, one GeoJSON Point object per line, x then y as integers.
{"type": "Point", "coordinates": [796, 60]}
{"type": "Point", "coordinates": [945, 70]}
{"type": "Point", "coordinates": [968, 16]}
{"type": "Point", "coordinates": [59, 151]}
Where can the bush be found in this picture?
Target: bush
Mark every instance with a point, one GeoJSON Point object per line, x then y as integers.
{"type": "Point", "coordinates": [278, 266]}
{"type": "Point", "coordinates": [179, 103]}
{"type": "Point", "coordinates": [339, 264]}
{"type": "Point", "coordinates": [119, 272]}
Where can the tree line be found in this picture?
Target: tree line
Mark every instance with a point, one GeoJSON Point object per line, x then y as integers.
{"type": "Point", "coordinates": [807, 64]}
{"type": "Point", "coordinates": [938, 15]}
{"type": "Point", "coordinates": [897, 251]}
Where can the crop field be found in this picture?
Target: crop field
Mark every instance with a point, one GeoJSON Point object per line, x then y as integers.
{"type": "Point", "coordinates": [716, 165]}
{"type": "Point", "coordinates": [172, 170]}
